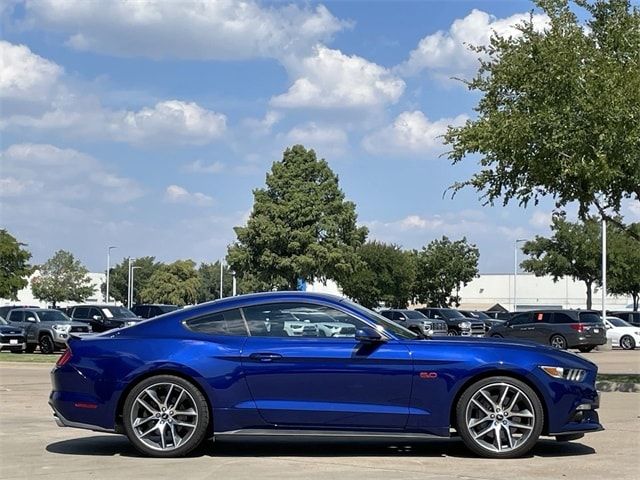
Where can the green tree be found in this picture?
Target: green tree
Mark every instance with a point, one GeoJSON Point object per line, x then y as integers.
{"type": "Point", "coordinates": [385, 273]}
{"type": "Point", "coordinates": [119, 278]}
{"type": "Point", "coordinates": [176, 283]}
{"type": "Point", "coordinates": [300, 227]}
{"type": "Point", "coordinates": [623, 264]}
{"type": "Point", "coordinates": [442, 268]}
{"type": "Point", "coordinates": [14, 266]}
{"type": "Point", "coordinates": [558, 113]}
{"type": "Point", "coordinates": [209, 275]}
{"type": "Point", "coordinates": [62, 278]}
{"type": "Point", "coordinates": [573, 250]}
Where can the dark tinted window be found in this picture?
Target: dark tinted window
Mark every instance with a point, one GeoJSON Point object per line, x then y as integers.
{"type": "Point", "coordinates": [414, 315]}
{"type": "Point", "coordinates": [560, 317]}
{"type": "Point", "coordinates": [52, 316]}
{"type": "Point", "coordinates": [542, 317]}
{"type": "Point", "coordinates": [300, 320]}
{"type": "Point", "coordinates": [387, 314]}
{"type": "Point", "coordinates": [590, 317]}
{"type": "Point", "coordinates": [117, 312]}
{"type": "Point", "coordinates": [222, 323]}
{"type": "Point", "coordinates": [16, 316]}
{"type": "Point", "coordinates": [519, 319]}
{"type": "Point", "coordinates": [95, 312]}
{"type": "Point", "coordinates": [81, 312]}
{"type": "Point", "coordinates": [166, 309]}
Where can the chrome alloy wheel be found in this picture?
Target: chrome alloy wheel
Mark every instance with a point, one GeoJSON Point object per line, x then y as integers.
{"type": "Point", "coordinates": [164, 416]}
{"type": "Point", "coordinates": [500, 417]}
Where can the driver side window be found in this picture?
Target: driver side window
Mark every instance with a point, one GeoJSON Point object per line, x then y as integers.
{"type": "Point", "coordinates": [519, 319]}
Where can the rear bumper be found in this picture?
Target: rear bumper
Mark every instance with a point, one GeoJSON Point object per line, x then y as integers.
{"type": "Point", "coordinates": [582, 341]}
{"type": "Point", "coordinates": [61, 421]}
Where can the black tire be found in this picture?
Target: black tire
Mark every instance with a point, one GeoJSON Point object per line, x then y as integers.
{"type": "Point", "coordinates": [586, 349]}
{"type": "Point", "coordinates": [627, 342]}
{"type": "Point", "coordinates": [466, 434]}
{"type": "Point", "coordinates": [558, 341]}
{"type": "Point", "coordinates": [46, 345]}
{"type": "Point", "coordinates": [201, 406]}
{"type": "Point", "coordinates": [452, 333]}
{"type": "Point", "coordinates": [30, 348]}
{"type": "Point", "coordinates": [496, 335]}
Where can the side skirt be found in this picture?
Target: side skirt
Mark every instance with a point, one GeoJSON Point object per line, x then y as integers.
{"type": "Point", "coordinates": [260, 433]}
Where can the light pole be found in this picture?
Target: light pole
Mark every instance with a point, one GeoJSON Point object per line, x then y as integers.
{"type": "Point", "coordinates": [106, 299]}
{"type": "Point", "coordinates": [233, 288]}
{"type": "Point", "coordinates": [604, 269]}
{"type": "Point", "coordinates": [515, 271]}
{"type": "Point", "coordinates": [221, 276]}
{"type": "Point", "coordinates": [133, 268]}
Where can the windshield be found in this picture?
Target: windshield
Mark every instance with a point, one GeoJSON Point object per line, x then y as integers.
{"type": "Point", "coordinates": [52, 316]}
{"type": "Point", "coordinates": [480, 315]}
{"type": "Point", "coordinates": [618, 322]}
{"type": "Point", "coordinates": [414, 315]}
{"type": "Point", "coordinates": [168, 308]}
{"type": "Point", "coordinates": [118, 312]}
{"type": "Point", "coordinates": [384, 322]}
{"type": "Point", "coordinates": [451, 313]}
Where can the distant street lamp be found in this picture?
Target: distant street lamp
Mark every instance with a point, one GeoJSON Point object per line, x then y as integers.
{"type": "Point", "coordinates": [106, 299]}
{"type": "Point", "coordinates": [233, 288]}
{"type": "Point", "coordinates": [515, 271]}
{"type": "Point", "coordinates": [130, 289]}
{"type": "Point", "coordinates": [221, 275]}
{"type": "Point", "coordinates": [604, 269]}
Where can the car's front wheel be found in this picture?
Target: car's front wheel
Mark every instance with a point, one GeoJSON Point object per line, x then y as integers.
{"type": "Point", "coordinates": [586, 349]}
{"type": "Point", "coordinates": [46, 344]}
{"type": "Point", "coordinates": [166, 416]}
{"type": "Point", "coordinates": [452, 333]}
{"type": "Point", "coordinates": [499, 417]}
{"type": "Point", "coordinates": [627, 342]}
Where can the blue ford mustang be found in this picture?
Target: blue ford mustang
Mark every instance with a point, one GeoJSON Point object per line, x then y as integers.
{"type": "Point", "coordinates": [292, 363]}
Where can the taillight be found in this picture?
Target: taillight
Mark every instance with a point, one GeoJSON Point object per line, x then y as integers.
{"type": "Point", "coordinates": [64, 358]}
{"type": "Point", "coordinates": [578, 327]}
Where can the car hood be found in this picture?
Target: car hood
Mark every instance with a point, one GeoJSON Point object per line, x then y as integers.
{"type": "Point", "coordinates": [9, 329]}
{"type": "Point", "coordinates": [502, 344]}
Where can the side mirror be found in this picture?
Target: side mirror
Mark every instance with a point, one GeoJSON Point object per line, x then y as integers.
{"type": "Point", "coordinates": [31, 319]}
{"type": "Point", "coordinates": [97, 317]}
{"type": "Point", "coordinates": [368, 335]}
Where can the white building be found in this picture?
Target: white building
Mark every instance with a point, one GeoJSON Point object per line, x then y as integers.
{"type": "Point", "coordinates": [25, 297]}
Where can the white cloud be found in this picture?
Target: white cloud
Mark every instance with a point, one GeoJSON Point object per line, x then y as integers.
{"type": "Point", "coordinates": [540, 219]}
{"type": "Point", "coordinates": [447, 53]}
{"type": "Point", "coordinates": [632, 208]}
{"type": "Point", "coordinates": [171, 121]}
{"type": "Point", "coordinates": [49, 173]}
{"type": "Point", "coordinates": [178, 194]}
{"type": "Point", "coordinates": [25, 75]}
{"type": "Point", "coordinates": [208, 30]}
{"type": "Point", "coordinates": [330, 79]}
{"type": "Point", "coordinates": [13, 187]}
{"type": "Point", "coordinates": [198, 166]}
{"type": "Point", "coordinates": [411, 133]}
{"type": "Point", "coordinates": [263, 126]}
{"type": "Point", "coordinates": [327, 138]}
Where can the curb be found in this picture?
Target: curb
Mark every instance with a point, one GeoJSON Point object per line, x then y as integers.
{"type": "Point", "coordinates": [607, 386]}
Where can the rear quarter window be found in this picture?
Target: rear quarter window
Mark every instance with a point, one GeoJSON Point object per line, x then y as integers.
{"type": "Point", "coordinates": [590, 317]}
{"type": "Point", "coordinates": [219, 323]}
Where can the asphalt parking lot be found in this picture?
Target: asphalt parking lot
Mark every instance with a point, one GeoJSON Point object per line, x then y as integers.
{"type": "Point", "coordinates": [32, 446]}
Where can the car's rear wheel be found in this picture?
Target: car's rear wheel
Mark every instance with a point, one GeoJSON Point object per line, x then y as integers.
{"type": "Point", "coordinates": [586, 349]}
{"type": "Point", "coordinates": [499, 417]}
{"type": "Point", "coordinates": [452, 333]}
{"type": "Point", "coordinates": [559, 342]}
{"type": "Point", "coordinates": [627, 342]}
{"type": "Point", "coordinates": [46, 344]}
{"type": "Point", "coordinates": [165, 416]}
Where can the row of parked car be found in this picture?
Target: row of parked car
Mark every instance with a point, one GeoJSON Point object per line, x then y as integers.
{"type": "Point", "coordinates": [23, 328]}
{"type": "Point", "coordinates": [583, 330]}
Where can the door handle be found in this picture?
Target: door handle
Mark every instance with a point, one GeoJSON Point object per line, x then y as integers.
{"type": "Point", "coordinates": [265, 357]}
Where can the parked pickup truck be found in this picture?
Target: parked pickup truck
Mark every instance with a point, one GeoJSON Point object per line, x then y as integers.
{"type": "Point", "coordinates": [45, 328]}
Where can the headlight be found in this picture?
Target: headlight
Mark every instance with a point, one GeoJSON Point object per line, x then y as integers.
{"type": "Point", "coordinates": [573, 374]}
{"type": "Point", "coordinates": [464, 325]}
{"type": "Point", "coordinates": [62, 328]}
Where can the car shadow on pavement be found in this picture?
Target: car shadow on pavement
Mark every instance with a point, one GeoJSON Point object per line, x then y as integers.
{"type": "Point", "coordinates": [116, 445]}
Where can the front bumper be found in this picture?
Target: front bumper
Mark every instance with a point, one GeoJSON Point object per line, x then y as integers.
{"type": "Point", "coordinates": [18, 345]}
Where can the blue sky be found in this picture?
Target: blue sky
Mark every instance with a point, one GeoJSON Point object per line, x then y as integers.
{"type": "Point", "coordinates": [146, 125]}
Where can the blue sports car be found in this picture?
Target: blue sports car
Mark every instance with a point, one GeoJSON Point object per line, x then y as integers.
{"type": "Point", "coordinates": [293, 363]}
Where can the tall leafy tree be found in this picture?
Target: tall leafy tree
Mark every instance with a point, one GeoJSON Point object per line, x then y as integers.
{"type": "Point", "coordinates": [574, 250]}
{"type": "Point", "coordinates": [442, 268]}
{"type": "Point", "coordinates": [62, 278]}
{"type": "Point", "coordinates": [301, 226]}
{"type": "Point", "coordinates": [385, 273]}
{"type": "Point", "coordinates": [623, 266]}
{"type": "Point", "coordinates": [119, 278]}
{"type": "Point", "coordinates": [209, 275]}
{"type": "Point", "coordinates": [177, 283]}
{"type": "Point", "coordinates": [14, 266]}
{"type": "Point", "coordinates": [558, 111]}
